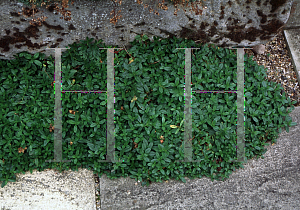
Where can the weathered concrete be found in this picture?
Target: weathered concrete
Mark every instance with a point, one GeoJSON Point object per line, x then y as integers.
{"type": "Point", "coordinates": [225, 23]}
{"type": "Point", "coordinates": [292, 37]}
{"type": "Point", "coordinates": [50, 189]}
{"type": "Point", "coordinates": [269, 183]}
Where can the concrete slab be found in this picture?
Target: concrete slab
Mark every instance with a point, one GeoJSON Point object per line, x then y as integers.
{"type": "Point", "coordinates": [292, 38]}
{"type": "Point", "coordinates": [50, 189]}
{"type": "Point", "coordinates": [269, 183]}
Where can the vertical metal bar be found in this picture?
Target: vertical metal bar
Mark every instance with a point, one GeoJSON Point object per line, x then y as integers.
{"type": "Point", "coordinates": [240, 106]}
{"type": "Point", "coordinates": [110, 145]}
{"type": "Point", "coordinates": [57, 109]}
{"type": "Point", "coordinates": [188, 132]}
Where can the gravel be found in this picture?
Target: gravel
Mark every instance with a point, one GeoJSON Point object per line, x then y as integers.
{"type": "Point", "coordinates": [279, 65]}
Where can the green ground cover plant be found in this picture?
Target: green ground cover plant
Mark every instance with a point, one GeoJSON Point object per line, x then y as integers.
{"type": "Point", "coordinates": [149, 102]}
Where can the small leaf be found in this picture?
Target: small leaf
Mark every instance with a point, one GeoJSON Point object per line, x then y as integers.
{"type": "Point", "coordinates": [38, 63]}
{"type": "Point", "coordinates": [75, 128]}
{"type": "Point", "coordinates": [145, 37]}
{"type": "Point", "coordinates": [183, 179]}
{"type": "Point", "coordinates": [255, 119]}
{"type": "Point", "coordinates": [160, 89]}
{"type": "Point", "coordinates": [93, 125]}
{"type": "Point", "coordinates": [36, 162]}
{"type": "Point", "coordinates": [4, 183]}
{"type": "Point", "coordinates": [130, 60]}
{"type": "Point", "coordinates": [36, 55]}
{"type": "Point", "coordinates": [181, 123]}
{"type": "Point", "coordinates": [71, 122]}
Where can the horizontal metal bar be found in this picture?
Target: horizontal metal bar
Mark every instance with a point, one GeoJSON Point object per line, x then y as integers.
{"type": "Point", "coordinates": [200, 91]}
{"type": "Point", "coordinates": [197, 91]}
{"type": "Point", "coordinates": [73, 91]}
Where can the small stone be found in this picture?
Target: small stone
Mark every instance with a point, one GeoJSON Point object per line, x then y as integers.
{"type": "Point", "coordinates": [259, 49]}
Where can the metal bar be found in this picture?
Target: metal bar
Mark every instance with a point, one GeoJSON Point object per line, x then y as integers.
{"type": "Point", "coordinates": [57, 108]}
